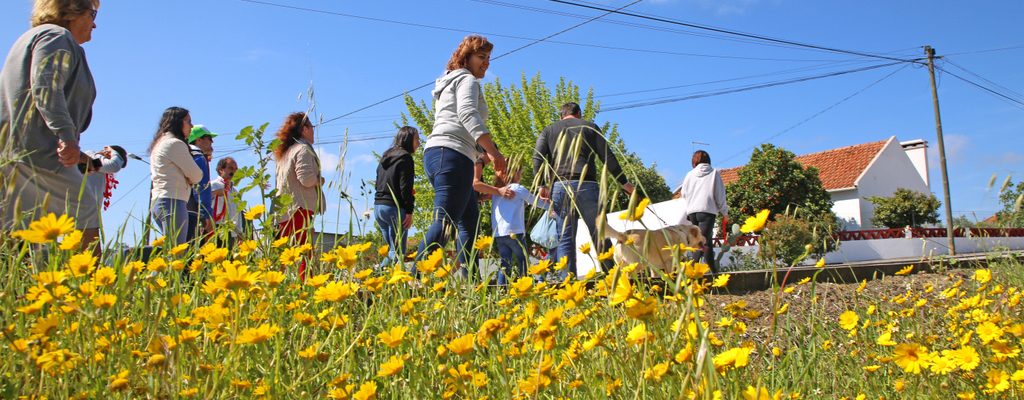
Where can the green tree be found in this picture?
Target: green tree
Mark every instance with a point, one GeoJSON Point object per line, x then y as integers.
{"type": "Point", "coordinates": [1011, 197]}
{"type": "Point", "coordinates": [774, 180]}
{"type": "Point", "coordinates": [517, 114]}
{"type": "Point", "coordinates": [905, 208]}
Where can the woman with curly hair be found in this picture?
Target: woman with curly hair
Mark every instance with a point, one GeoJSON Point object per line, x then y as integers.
{"type": "Point", "coordinates": [457, 140]}
{"type": "Point", "coordinates": [173, 171]}
{"type": "Point", "coordinates": [46, 97]}
{"type": "Point", "coordinates": [298, 175]}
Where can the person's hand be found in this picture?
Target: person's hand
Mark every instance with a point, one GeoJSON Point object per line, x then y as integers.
{"type": "Point", "coordinates": [208, 225]}
{"type": "Point", "coordinates": [506, 192]}
{"type": "Point", "coordinates": [483, 197]}
{"type": "Point", "coordinates": [628, 187]}
{"type": "Point", "coordinates": [545, 194]}
{"type": "Point", "coordinates": [407, 221]}
{"type": "Point", "coordinates": [68, 153]}
{"type": "Point", "coordinates": [500, 165]}
{"type": "Point", "coordinates": [107, 152]}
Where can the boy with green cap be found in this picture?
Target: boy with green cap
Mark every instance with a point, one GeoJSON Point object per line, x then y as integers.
{"type": "Point", "coordinates": [200, 203]}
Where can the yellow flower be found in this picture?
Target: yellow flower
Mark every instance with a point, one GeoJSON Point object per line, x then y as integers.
{"type": "Point", "coordinates": [280, 242]}
{"type": "Point", "coordinates": [255, 212]}
{"type": "Point", "coordinates": [912, 357]}
{"type": "Point", "coordinates": [119, 381]}
{"type": "Point", "coordinates": [638, 335]}
{"type": "Point", "coordinates": [863, 284]}
{"type": "Point", "coordinates": [656, 372]}
{"type": "Point", "coordinates": [695, 270]}
{"type": "Point", "coordinates": [318, 280]}
{"type": "Point", "coordinates": [233, 275]}
{"type": "Point", "coordinates": [58, 361]}
{"type": "Point", "coordinates": [393, 337]}
{"type": "Point", "coordinates": [81, 264]}
{"type": "Point", "coordinates": [820, 263]}
{"type": "Point", "coordinates": [760, 393]}
{"type": "Point", "coordinates": [158, 241]}
{"type": "Point", "coordinates": [71, 241]}
{"type": "Point", "coordinates": [177, 250]}
{"type": "Point", "coordinates": [585, 248]}
{"type": "Point", "coordinates": [736, 357]}
{"type": "Point", "coordinates": [47, 229]}
{"type": "Point", "coordinates": [104, 300]}
{"type": "Point", "coordinates": [273, 278]}
{"type": "Point", "coordinates": [982, 276]}
{"type": "Point", "coordinates": [156, 360]}
{"type": "Point", "coordinates": [966, 357]}
{"type": "Point", "coordinates": [636, 213]}
{"type": "Point", "coordinates": [483, 243]}
{"type": "Point", "coordinates": [367, 391]}
{"type": "Point", "coordinates": [461, 345]}
{"type": "Point", "coordinates": [998, 381]}
{"type": "Point", "coordinates": [987, 332]}
{"type": "Point", "coordinates": [721, 280]}
{"type": "Point", "coordinates": [257, 335]}
{"type": "Point", "coordinates": [848, 320]}
{"type": "Point", "coordinates": [885, 339]}
{"type": "Point", "coordinates": [383, 250]}
{"type": "Point", "coordinates": [622, 291]}
{"type": "Point", "coordinates": [755, 223]}
{"type": "Point", "coordinates": [905, 270]}
{"type": "Point", "coordinates": [684, 354]}
{"type": "Point", "coordinates": [871, 368]}
{"type": "Point", "coordinates": [335, 291]}
{"type": "Point", "coordinates": [541, 267]}
{"type": "Point", "coordinates": [394, 365]}
{"type": "Point", "coordinates": [247, 247]}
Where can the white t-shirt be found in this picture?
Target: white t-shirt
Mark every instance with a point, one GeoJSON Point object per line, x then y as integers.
{"type": "Point", "coordinates": [224, 205]}
{"type": "Point", "coordinates": [508, 215]}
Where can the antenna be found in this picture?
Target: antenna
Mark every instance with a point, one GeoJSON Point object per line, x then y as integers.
{"type": "Point", "coordinates": [693, 145]}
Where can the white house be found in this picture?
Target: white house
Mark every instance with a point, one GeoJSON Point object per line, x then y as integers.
{"type": "Point", "coordinates": [852, 174]}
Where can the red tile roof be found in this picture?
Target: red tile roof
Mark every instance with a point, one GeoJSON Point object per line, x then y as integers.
{"type": "Point", "coordinates": [837, 168]}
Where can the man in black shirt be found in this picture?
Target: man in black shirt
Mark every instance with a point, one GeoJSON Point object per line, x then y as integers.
{"type": "Point", "coordinates": [564, 161]}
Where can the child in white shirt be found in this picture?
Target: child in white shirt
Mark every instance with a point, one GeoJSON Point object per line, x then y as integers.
{"type": "Point", "coordinates": [508, 222]}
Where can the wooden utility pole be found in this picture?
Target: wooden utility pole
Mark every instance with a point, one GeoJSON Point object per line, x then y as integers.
{"type": "Point", "coordinates": [930, 52]}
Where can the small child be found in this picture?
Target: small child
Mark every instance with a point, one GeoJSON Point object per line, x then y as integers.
{"type": "Point", "coordinates": [508, 221]}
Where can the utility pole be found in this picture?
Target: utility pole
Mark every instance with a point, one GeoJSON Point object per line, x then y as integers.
{"type": "Point", "coordinates": [930, 52]}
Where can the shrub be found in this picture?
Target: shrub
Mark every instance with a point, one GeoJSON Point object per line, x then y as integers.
{"type": "Point", "coordinates": [905, 208]}
{"type": "Point", "coordinates": [785, 239]}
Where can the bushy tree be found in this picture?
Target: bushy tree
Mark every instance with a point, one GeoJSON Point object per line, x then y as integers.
{"type": "Point", "coordinates": [775, 181]}
{"type": "Point", "coordinates": [517, 114]}
{"type": "Point", "coordinates": [1011, 197]}
{"type": "Point", "coordinates": [905, 208]}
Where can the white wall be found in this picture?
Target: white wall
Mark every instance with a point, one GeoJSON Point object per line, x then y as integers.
{"type": "Point", "coordinates": [846, 205]}
{"type": "Point", "coordinates": [917, 151]}
{"type": "Point", "coordinates": [891, 249]}
{"type": "Point", "coordinates": [890, 171]}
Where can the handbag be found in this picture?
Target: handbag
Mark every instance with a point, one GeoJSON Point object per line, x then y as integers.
{"type": "Point", "coordinates": [545, 232]}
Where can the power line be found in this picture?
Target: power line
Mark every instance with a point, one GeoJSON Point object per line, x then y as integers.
{"type": "Point", "coordinates": [731, 32]}
{"type": "Point", "coordinates": [1016, 102]}
{"type": "Point", "coordinates": [1020, 46]}
{"type": "Point", "coordinates": [638, 104]}
{"type": "Point", "coordinates": [493, 58]}
{"type": "Point", "coordinates": [822, 111]}
{"type": "Point", "coordinates": [1013, 92]}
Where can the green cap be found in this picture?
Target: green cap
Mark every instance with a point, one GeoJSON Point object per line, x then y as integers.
{"type": "Point", "coordinates": [199, 131]}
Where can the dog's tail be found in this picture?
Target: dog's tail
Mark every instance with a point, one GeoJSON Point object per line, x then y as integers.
{"type": "Point", "coordinates": [609, 232]}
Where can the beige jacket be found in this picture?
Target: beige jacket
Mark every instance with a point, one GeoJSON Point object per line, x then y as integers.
{"type": "Point", "coordinates": [298, 175]}
{"type": "Point", "coordinates": [172, 168]}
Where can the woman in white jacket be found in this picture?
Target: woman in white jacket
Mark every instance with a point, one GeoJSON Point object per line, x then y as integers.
{"type": "Point", "coordinates": [174, 172]}
{"type": "Point", "coordinates": [703, 193]}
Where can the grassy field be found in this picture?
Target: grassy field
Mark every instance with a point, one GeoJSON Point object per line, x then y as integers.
{"type": "Point", "coordinates": [243, 325]}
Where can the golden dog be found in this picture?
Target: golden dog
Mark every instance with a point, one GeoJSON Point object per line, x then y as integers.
{"type": "Point", "coordinates": [648, 247]}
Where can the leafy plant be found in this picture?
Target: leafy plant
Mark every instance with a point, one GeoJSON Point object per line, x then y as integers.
{"type": "Point", "coordinates": [905, 208]}
{"type": "Point", "coordinates": [774, 180]}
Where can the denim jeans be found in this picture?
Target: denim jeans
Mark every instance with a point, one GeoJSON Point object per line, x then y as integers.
{"type": "Point", "coordinates": [572, 201]}
{"type": "Point", "coordinates": [455, 208]}
{"type": "Point", "coordinates": [513, 257]}
{"type": "Point", "coordinates": [170, 215]}
{"type": "Point", "coordinates": [706, 223]}
{"type": "Point", "coordinates": [389, 220]}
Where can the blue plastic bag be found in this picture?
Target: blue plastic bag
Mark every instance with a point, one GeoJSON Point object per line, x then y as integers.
{"type": "Point", "coordinates": [544, 233]}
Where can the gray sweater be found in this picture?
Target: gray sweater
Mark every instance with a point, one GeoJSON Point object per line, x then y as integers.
{"type": "Point", "coordinates": [46, 94]}
{"type": "Point", "coordinates": [460, 113]}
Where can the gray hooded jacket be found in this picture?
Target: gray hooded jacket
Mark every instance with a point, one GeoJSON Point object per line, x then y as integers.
{"type": "Point", "coordinates": [459, 113]}
{"type": "Point", "coordinates": [704, 191]}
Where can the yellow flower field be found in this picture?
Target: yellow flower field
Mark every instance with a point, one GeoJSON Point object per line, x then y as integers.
{"type": "Point", "coordinates": [242, 325]}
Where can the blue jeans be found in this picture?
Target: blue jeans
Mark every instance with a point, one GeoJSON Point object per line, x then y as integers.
{"type": "Point", "coordinates": [513, 257]}
{"type": "Point", "coordinates": [389, 220]}
{"type": "Point", "coordinates": [455, 207]}
{"type": "Point", "coordinates": [172, 218]}
{"type": "Point", "coordinates": [572, 201]}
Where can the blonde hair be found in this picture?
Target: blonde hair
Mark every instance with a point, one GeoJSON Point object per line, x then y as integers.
{"type": "Point", "coordinates": [60, 12]}
{"type": "Point", "coordinates": [470, 45]}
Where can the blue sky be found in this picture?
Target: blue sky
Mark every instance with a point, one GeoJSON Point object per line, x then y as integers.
{"type": "Point", "coordinates": [235, 63]}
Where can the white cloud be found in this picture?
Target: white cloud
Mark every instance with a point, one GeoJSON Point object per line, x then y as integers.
{"type": "Point", "coordinates": [328, 160]}
{"type": "Point", "coordinates": [956, 146]}
{"type": "Point", "coordinates": [1012, 157]}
